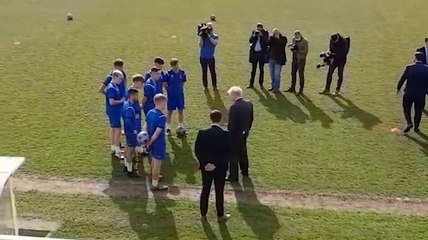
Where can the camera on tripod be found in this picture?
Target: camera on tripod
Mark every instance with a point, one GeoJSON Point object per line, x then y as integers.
{"type": "Point", "coordinates": [327, 59]}
{"type": "Point", "coordinates": [203, 29]}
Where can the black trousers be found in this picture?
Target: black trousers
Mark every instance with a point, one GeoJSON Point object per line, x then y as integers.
{"type": "Point", "coordinates": [340, 68]}
{"type": "Point", "coordinates": [218, 176]}
{"type": "Point", "coordinates": [205, 64]}
{"type": "Point", "coordinates": [240, 158]}
{"type": "Point", "coordinates": [257, 58]}
{"type": "Point", "coordinates": [418, 103]}
{"type": "Point", "coordinates": [298, 66]}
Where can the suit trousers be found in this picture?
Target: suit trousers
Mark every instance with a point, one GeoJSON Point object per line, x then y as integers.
{"type": "Point", "coordinates": [218, 176]}
{"type": "Point", "coordinates": [240, 158]}
{"type": "Point", "coordinates": [418, 103]}
{"type": "Point", "coordinates": [298, 65]}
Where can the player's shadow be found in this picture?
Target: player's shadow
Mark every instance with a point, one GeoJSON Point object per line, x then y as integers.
{"type": "Point", "coordinates": [261, 218]}
{"type": "Point", "coordinates": [131, 196]}
{"type": "Point", "coordinates": [183, 160]}
{"type": "Point", "coordinates": [350, 110]}
{"type": "Point", "coordinates": [216, 103]}
{"type": "Point", "coordinates": [281, 107]}
{"type": "Point", "coordinates": [423, 142]}
{"type": "Point", "coordinates": [225, 235]}
{"type": "Point", "coordinates": [316, 114]}
{"type": "Point", "coordinates": [425, 112]}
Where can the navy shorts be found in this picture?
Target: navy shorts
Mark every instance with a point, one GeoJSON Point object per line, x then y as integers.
{"type": "Point", "coordinates": [158, 154]}
{"type": "Point", "coordinates": [114, 120]}
{"type": "Point", "coordinates": [131, 140]}
{"type": "Point", "coordinates": [175, 103]}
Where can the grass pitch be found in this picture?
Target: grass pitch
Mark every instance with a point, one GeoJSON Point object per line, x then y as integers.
{"type": "Point", "coordinates": [52, 114]}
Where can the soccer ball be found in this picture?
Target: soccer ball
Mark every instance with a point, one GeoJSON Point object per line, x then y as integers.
{"type": "Point", "coordinates": [212, 18]}
{"type": "Point", "coordinates": [181, 131]}
{"type": "Point", "coordinates": [69, 17]}
{"type": "Point", "coordinates": [143, 137]}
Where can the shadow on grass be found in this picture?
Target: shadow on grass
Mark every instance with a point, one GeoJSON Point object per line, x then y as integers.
{"type": "Point", "coordinates": [183, 161]}
{"type": "Point", "coordinates": [316, 113]}
{"type": "Point", "coordinates": [351, 110]}
{"type": "Point", "coordinates": [425, 112]}
{"type": "Point", "coordinates": [423, 142]}
{"type": "Point", "coordinates": [261, 218]}
{"type": "Point", "coordinates": [216, 103]}
{"type": "Point", "coordinates": [281, 107]}
{"type": "Point", "coordinates": [157, 224]}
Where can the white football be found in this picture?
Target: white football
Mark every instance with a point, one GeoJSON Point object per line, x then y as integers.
{"type": "Point", "coordinates": [143, 137]}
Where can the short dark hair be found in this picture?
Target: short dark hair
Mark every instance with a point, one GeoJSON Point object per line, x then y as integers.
{"type": "Point", "coordinates": [159, 60]}
{"type": "Point", "coordinates": [137, 78]}
{"type": "Point", "coordinates": [419, 56]}
{"type": "Point", "coordinates": [132, 91]}
{"type": "Point", "coordinates": [154, 69]}
{"type": "Point", "coordinates": [118, 63]}
{"type": "Point", "coordinates": [215, 116]}
{"type": "Point", "coordinates": [259, 25]}
{"type": "Point", "coordinates": [426, 39]}
{"type": "Point", "coordinates": [173, 62]}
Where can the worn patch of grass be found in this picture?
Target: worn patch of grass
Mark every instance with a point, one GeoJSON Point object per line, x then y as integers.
{"type": "Point", "coordinates": [142, 218]}
{"type": "Point", "coordinates": [52, 114]}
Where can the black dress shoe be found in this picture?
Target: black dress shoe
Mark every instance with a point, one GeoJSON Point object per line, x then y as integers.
{"type": "Point", "coordinates": [324, 92]}
{"type": "Point", "coordinates": [133, 174]}
{"type": "Point", "coordinates": [290, 90]}
{"type": "Point", "coordinates": [251, 86]}
{"type": "Point", "coordinates": [270, 89]}
{"type": "Point", "coordinates": [417, 130]}
{"type": "Point", "coordinates": [407, 128]}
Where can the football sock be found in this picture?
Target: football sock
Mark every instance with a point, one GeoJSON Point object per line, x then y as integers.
{"type": "Point", "coordinates": [180, 125]}
{"type": "Point", "coordinates": [128, 166]}
{"type": "Point", "coordinates": [167, 126]}
{"type": "Point", "coordinates": [113, 149]}
{"type": "Point", "coordinates": [155, 183]}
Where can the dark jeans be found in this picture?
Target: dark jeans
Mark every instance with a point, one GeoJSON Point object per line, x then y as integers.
{"type": "Point", "coordinates": [218, 176]}
{"type": "Point", "coordinates": [205, 64]}
{"type": "Point", "coordinates": [258, 58]}
{"type": "Point", "coordinates": [240, 158]}
{"type": "Point", "coordinates": [298, 66]}
{"type": "Point", "coordinates": [340, 68]}
{"type": "Point", "coordinates": [418, 103]}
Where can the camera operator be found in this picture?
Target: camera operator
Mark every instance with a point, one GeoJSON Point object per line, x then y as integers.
{"type": "Point", "coordinates": [339, 48]}
{"type": "Point", "coordinates": [277, 58]}
{"type": "Point", "coordinates": [208, 41]}
{"type": "Point", "coordinates": [299, 47]}
{"type": "Point", "coordinates": [258, 53]}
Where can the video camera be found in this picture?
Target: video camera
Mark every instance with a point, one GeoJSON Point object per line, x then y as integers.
{"type": "Point", "coordinates": [327, 59]}
{"type": "Point", "coordinates": [203, 29]}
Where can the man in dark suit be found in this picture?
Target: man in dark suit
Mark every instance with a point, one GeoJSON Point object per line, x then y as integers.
{"type": "Point", "coordinates": [213, 148]}
{"type": "Point", "coordinates": [258, 53]}
{"type": "Point", "coordinates": [240, 122]}
{"type": "Point", "coordinates": [416, 88]}
{"type": "Point", "coordinates": [424, 51]}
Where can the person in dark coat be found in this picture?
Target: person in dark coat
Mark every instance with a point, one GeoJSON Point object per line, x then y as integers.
{"type": "Point", "coordinates": [277, 58]}
{"type": "Point", "coordinates": [240, 122]}
{"type": "Point", "coordinates": [424, 51]}
{"type": "Point", "coordinates": [416, 78]}
{"type": "Point", "coordinates": [213, 148]}
{"type": "Point", "coordinates": [258, 53]}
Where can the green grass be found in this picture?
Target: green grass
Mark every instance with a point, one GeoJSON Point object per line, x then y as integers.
{"type": "Point", "coordinates": [119, 218]}
{"type": "Point", "coordinates": [52, 114]}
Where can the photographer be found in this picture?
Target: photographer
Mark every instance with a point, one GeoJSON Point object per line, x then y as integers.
{"type": "Point", "coordinates": [258, 53]}
{"type": "Point", "coordinates": [208, 41]}
{"type": "Point", "coordinates": [339, 48]}
{"type": "Point", "coordinates": [277, 58]}
{"type": "Point", "coordinates": [299, 47]}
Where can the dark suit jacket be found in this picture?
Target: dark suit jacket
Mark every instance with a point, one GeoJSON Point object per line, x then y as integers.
{"type": "Point", "coordinates": [213, 145]}
{"type": "Point", "coordinates": [264, 36]}
{"type": "Point", "coordinates": [416, 76]}
{"type": "Point", "coordinates": [277, 49]}
{"type": "Point", "coordinates": [423, 51]}
{"type": "Point", "coordinates": [240, 117]}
